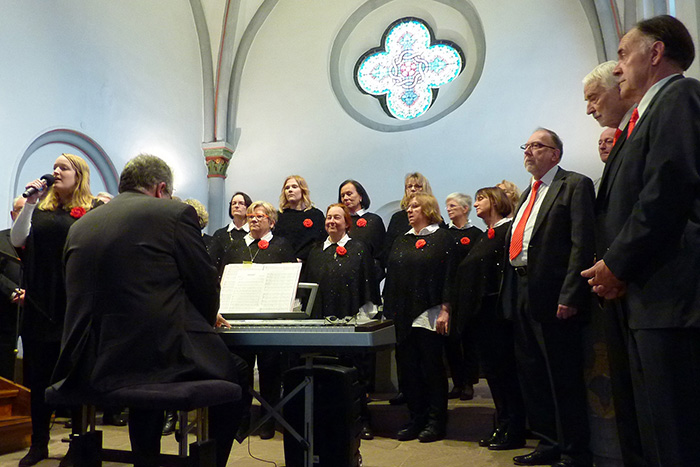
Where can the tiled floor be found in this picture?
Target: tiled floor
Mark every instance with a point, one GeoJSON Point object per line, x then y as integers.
{"type": "Point", "coordinates": [468, 422]}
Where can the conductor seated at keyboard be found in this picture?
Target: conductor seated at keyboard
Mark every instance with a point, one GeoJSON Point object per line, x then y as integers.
{"type": "Point", "coordinates": [142, 300]}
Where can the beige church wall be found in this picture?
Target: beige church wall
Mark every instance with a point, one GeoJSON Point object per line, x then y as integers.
{"type": "Point", "coordinates": [126, 74]}
{"type": "Point", "coordinates": [290, 121]}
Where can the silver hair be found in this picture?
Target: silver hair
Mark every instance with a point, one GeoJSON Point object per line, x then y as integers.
{"type": "Point", "coordinates": [602, 74]}
{"type": "Point", "coordinates": [463, 200]}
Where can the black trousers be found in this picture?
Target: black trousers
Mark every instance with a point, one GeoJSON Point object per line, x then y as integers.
{"type": "Point", "coordinates": [549, 357]}
{"type": "Point", "coordinates": [665, 369]}
{"type": "Point", "coordinates": [614, 319]}
{"type": "Point", "coordinates": [496, 350]}
{"type": "Point", "coordinates": [424, 380]}
{"type": "Point", "coordinates": [269, 373]}
{"type": "Point", "coordinates": [39, 361]}
{"type": "Point", "coordinates": [462, 358]}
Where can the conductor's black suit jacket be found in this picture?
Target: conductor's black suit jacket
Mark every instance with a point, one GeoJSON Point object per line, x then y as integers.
{"type": "Point", "coordinates": [561, 246]}
{"type": "Point", "coordinates": [142, 298]}
{"type": "Point", "coordinates": [648, 210]}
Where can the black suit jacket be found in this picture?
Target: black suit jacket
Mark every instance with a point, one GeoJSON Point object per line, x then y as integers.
{"type": "Point", "coordinates": [561, 246]}
{"type": "Point", "coordinates": [142, 298]}
{"type": "Point", "coordinates": [648, 210]}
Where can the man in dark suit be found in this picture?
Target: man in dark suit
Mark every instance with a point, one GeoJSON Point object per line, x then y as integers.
{"type": "Point", "coordinates": [142, 301]}
{"type": "Point", "coordinates": [551, 239]}
{"type": "Point", "coordinates": [648, 216]}
{"type": "Point", "coordinates": [604, 103]}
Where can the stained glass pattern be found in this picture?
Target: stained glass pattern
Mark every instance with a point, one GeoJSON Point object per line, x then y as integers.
{"type": "Point", "coordinates": [405, 72]}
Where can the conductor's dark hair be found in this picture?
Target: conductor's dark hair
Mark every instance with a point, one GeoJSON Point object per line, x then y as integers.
{"type": "Point", "coordinates": [678, 44]}
{"type": "Point", "coordinates": [246, 200]}
{"type": "Point", "coordinates": [144, 172]}
{"type": "Point", "coordinates": [360, 191]}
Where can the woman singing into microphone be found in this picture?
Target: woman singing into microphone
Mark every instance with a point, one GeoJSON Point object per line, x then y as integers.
{"type": "Point", "coordinates": [41, 229]}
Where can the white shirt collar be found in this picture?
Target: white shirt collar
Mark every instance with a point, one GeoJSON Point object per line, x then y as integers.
{"type": "Point", "coordinates": [501, 222]}
{"type": "Point", "coordinates": [547, 178]}
{"type": "Point", "coordinates": [341, 242]}
{"type": "Point", "coordinates": [452, 225]}
{"type": "Point", "coordinates": [360, 212]}
{"type": "Point", "coordinates": [651, 92]}
{"type": "Point", "coordinates": [432, 228]}
{"type": "Point", "coordinates": [249, 238]}
{"type": "Point", "coordinates": [232, 227]}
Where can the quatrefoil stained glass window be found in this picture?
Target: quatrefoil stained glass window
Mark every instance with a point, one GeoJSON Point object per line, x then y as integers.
{"type": "Point", "coordinates": [407, 69]}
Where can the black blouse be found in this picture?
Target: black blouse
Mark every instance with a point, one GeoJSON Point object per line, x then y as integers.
{"type": "Point", "coordinates": [369, 228]}
{"type": "Point", "coordinates": [346, 280]}
{"type": "Point", "coordinates": [278, 250]}
{"type": "Point", "coordinates": [418, 277]}
{"type": "Point", "coordinates": [478, 278]}
{"type": "Point", "coordinates": [301, 229]}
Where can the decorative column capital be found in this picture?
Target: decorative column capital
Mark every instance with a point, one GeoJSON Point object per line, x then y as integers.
{"type": "Point", "coordinates": [217, 155]}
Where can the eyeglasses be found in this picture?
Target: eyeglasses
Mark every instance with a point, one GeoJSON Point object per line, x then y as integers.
{"type": "Point", "coordinates": [535, 146]}
{"type": "Point", "coordinates": [257, 217]}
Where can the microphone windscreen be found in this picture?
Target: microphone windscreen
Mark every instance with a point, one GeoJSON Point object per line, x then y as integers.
{"type": "Point", "coordinates": [48, 178]}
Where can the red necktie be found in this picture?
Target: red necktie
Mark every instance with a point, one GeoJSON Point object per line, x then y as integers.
{"type": "Point", "coordinates": [633, 120]}
{"type": "Point", "coordinates": [516, 242]}
{"type": "Point", "coordinates": [618, 132]}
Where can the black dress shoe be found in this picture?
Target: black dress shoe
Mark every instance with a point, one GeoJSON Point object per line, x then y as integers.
{"type": "Point", "coordinates": [68, 460]}
{"type": "Point", "coordinates": [496, 437]}
{"type": "Point", "coordinates": [169, 423]}
{"type": "Point", "coordinates": [35, 455]}
{"type": "Point", "coordinates": [398, 399]}
{"type": "Point", "coordinates": [431, 433]}
{"type": "Point", "coordinates": [467, 393]}
{"type": "Point", "coordinates": [117, 418]}
{"type": "Point", "coordinates": [571, 463]}
{"type": "Point", "coordinates": [547, 457]}
{"type": "Point", "coordinates": [409, 432]}
{"type": "Point", "coordinates": [507, 441]}
{"type": "Point", "coordinates": [366, 432]}
{"type": "Point", "coordinates": [455, 393]}
{"type": "Point", "coordinates": [267, 430]}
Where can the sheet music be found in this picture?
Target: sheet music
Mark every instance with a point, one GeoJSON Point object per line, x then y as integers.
{"type": "Point", "coordinates": [259, 288]}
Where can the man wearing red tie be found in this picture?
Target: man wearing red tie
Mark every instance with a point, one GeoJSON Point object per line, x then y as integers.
{"type": "Point", "coordinates": [648, 217]}
{"type": "Point", "coordinates": [551, 238]}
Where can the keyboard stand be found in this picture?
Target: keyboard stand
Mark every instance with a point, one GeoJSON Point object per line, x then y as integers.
{"type": "Point", "coordinates": [307, 441]}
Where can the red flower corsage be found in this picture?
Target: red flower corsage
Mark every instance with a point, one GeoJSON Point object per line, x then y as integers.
{"type": "Point", "coordinates": [420, 243]}
{"type": "Point", "coordinates": [78, 212]}
{"type": "Point", "coordinates": [308, 223]}
{"type": "Point", "coordinates": [340, 250]}
{"type": "Point", "coordinates": [263, 244]}
{"type": "Point", "coordinates": [491, 233]}
{"type": "Point", "coordinates": [465, 241]}
{"type": "Point", "coordinates": [361, 222]}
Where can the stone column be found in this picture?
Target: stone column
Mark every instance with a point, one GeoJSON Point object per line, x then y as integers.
{"type": "Point", "coordinates": [217, 156]}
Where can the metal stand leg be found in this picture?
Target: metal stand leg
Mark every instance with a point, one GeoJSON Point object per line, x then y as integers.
{"type": "Point", "coordinates": [309, 457]}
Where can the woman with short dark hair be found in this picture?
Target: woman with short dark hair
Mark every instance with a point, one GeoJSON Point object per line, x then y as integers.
{"type": "Point", "coordinates": [365, 226]}
{"type": "Point", "coordinates": [238, 227]}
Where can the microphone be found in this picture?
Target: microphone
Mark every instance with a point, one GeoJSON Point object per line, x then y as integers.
{"type": "Point", "coordinates": [48, 178]}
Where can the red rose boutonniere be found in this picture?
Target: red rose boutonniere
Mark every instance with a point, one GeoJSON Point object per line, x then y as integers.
{"type": "Point", "coordinates": [340, 250]}
{"type": "Point", "coordinates": [491, 233]}
{"type": "Point", "coordinates": [361, 222]}
{"type": "Point", "coordinates": [78, 212]}
{"type": "Point", "coordinates": [420, 243]}
{"type": "Point", "coordinates": [263, 244]}
{"type": "Point", "coordinates": [308, 223]}
{"type": "Point", "coordinates": [465, 241]}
